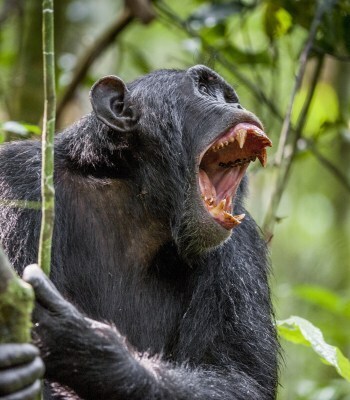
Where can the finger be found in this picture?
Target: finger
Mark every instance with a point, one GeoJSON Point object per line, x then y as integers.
{"type": "Point", "coordinates": [17, 378]}
{"type": "Point", "coordinates": [12, 354]}
{"type": "Point", "coordinates": [29, 393]}
{"type": "Point", "coordinates": [45, 292]}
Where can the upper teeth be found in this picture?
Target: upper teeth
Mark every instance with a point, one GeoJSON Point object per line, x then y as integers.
{"type": "Point", "coordinates": [240, 136]}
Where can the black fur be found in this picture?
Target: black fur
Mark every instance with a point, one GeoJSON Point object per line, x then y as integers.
{"type": "Point", "coordinates": [133, 246]}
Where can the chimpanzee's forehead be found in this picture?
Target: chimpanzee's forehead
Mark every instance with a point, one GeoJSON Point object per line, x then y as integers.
{"type": "Point", "coordinates": [204, 72]}
{"type": "Point", "coordinates": [164, 80]}
{"type": "Point", "coordinates": [157, 78]}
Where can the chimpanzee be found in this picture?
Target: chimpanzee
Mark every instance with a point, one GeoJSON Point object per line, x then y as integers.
{"type": "Point", "coordinates": [161, 273]}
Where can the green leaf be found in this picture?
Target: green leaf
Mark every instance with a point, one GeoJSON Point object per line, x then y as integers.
{"type": "Point", "coordinates": [292, 335]}
{"type": "Point", "coordinates": [278, 21]}
{"type": "Point", "coordinates": [32, 128]}
{"type": "Point", "coordinates": [299, 330]}
{"type": "Point", "coordinates": [15, 128]}
{"type": "Point", "coordinates": [20, 129]}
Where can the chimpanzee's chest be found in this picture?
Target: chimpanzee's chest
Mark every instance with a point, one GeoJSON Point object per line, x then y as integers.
{"type": "Point", "coordinates": [144, 308]}
{"type": "Point", "coordinates": [128, 274]}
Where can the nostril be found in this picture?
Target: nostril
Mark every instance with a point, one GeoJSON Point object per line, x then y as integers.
{"type": "Point", "coordinates": [237, 105]}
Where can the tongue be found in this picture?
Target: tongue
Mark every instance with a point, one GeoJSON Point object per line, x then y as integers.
{"type": "Point", "coordinates": [226, 181]}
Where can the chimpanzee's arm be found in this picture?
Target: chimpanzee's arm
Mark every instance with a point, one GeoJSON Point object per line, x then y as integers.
{"type": "Point", "coordinates": [20, 371]}
{"type": "Point", "coordinates": [96, 362]}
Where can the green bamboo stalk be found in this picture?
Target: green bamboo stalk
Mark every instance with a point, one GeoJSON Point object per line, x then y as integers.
{"type": "Point", "coordinates": [47, 170]}
{"type": "Point", "coordinates": [16, 304]}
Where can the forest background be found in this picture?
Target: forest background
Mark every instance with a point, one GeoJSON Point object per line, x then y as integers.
{"type": "Point", "coordinates": [290, 63]}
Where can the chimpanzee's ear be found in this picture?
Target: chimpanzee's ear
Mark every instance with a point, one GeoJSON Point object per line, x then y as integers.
{"type": "Point", "coordinates": [107, 99]}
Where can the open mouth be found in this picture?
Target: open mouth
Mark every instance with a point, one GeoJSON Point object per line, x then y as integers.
{"type": "Point", "coordinates": [222, 166]}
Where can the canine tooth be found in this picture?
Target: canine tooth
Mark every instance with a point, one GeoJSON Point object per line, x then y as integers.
{"type": "Point", "coordinates": [241, 136]}
{"type": "Point", "coordinates": [267, 142]}
{"type": "Point", "coordinates": [239, 217]}
{"type": "Point", "coordinates": [218, 208]}
{"type": "Point", "coordinates": [229, 216]}
{"type": "Point", "coordinates": [262, 157]}
{"type": "Point", "coordinates": [236, 219]}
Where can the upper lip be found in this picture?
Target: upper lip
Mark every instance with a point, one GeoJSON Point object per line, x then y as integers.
{"type": "Point", "coordinates": [232, 126]}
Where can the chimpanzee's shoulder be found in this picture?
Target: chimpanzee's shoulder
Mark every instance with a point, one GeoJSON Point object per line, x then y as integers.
{"type": "Point", "coordinates": [19, 159]}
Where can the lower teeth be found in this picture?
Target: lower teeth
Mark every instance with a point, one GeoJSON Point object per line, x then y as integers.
{"type": "Point", "coordinates": [218, 211]}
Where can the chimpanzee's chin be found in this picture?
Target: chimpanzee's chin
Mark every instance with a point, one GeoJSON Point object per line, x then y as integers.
{"type": "Point", "coordinates": [197, 232]}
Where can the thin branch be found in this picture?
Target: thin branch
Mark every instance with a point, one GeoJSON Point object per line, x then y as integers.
{"type": "Point", "coordinates": [47, 168]}
{"type": "Point", "coordinates": [91, 54]}
{"type": "Point", "coordinates": [283, 171]}
{"type": "Point", "coordinates": [286, 128]}
{"type": "Point", "coordinates": [304, 111]}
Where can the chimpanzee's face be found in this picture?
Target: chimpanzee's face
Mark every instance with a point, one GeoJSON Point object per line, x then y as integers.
{"type": "Point", "coordinates": [194, 142]}
{"type": "Point", "coordinates": [224, 139]}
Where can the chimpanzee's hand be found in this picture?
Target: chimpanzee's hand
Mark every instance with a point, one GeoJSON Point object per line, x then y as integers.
{"type": "Point", "coordinates": [67, 339]}
{"type": "Point", "coordinates": [20, 371]}
{"type": "Point", "coordinates": [49, 302]}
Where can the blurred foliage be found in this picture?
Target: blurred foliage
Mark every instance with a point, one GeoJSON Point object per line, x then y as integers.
{"type": "Point", "coordinates": [258, 46]}
{"type": "Point", "coordinates": [12, 130]}
{"type": "Point", "coordinates": [300, 331]}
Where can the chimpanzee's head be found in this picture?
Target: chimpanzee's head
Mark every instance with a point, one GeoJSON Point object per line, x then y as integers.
{"type": "Point", "coordinates": [191, 141]}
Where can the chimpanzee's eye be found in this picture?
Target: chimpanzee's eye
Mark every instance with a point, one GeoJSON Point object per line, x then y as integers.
{"type": "Point", "coordinates": [230, 96]}
{"type": "Point", "coordinates": [203, 89]}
